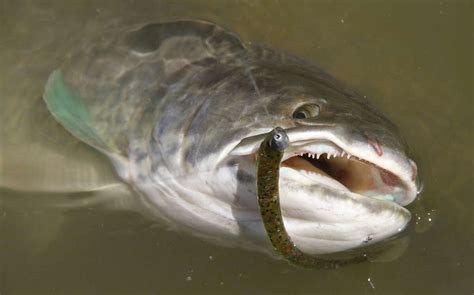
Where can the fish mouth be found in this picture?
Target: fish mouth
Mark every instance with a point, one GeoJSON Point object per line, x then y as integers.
{"type": "Point", "coordinates": [366, 170]}
{"type": "Point", "coordinates": [338, 190]}
{"type": "Point", "coordinates": [338, 170]}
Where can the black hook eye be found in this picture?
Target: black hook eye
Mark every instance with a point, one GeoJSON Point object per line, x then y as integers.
{"type": "Point", "coordinates": [280, 140]}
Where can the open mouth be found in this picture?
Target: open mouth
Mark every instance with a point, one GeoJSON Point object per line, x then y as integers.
{"type": "Point", "coordinates": [338, 192]}
{"type": "Point", "coordinates": [324, 159]}
{"type": "Point", "coordinates": [342, 171]}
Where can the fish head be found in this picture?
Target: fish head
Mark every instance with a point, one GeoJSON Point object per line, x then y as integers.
{"type": "Point", "coordinates": [345, 176]}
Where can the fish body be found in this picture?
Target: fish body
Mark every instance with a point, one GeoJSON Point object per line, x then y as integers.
{"type": "Point", "coordinates": [181, 108]}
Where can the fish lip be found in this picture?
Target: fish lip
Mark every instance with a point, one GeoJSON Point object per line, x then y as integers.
{"type": "Point", "coordinates": [371, 204]}
{"type": "Point", "coordinates": [393, 161]}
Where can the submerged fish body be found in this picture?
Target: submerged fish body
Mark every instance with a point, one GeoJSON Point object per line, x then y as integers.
{"type": "Point", "coordinates": [181, 108]}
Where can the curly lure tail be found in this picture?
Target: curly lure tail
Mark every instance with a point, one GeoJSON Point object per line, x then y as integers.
{"type": "Point", "coordinates": [269, 158]}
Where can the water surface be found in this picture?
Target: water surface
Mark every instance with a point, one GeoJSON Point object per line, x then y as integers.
{"type": "Point", "coordinates": [414, 59]}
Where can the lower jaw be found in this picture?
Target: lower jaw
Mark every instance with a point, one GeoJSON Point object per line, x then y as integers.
{"type": "Point", "coordinates": [346, 176]}
{"type": "Point", "coordinates": [317, 186]}
{"type": "Point", "coordinates": [322, 219]}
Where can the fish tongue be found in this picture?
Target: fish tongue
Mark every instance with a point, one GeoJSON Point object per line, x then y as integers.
{"type": "Point", "coordinates": [302, 171]}
{"type": "Point", "coordinates": [355, 175]}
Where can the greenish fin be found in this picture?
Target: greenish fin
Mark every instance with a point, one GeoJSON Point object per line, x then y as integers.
{"type": "Point", "coordinates": [68, 108]}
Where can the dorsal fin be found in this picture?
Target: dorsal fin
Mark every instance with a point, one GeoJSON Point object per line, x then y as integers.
{"type": "Point", "coordinates": [151, 36]}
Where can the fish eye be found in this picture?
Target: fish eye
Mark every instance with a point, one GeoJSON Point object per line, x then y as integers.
{"type": "Point", "coordinates": [306, 111]}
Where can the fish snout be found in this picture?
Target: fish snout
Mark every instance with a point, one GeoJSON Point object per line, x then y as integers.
{"type": "Point", "coordinates": [375, 141]}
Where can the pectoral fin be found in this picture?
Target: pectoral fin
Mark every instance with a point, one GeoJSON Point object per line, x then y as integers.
{"type": "Point", "coordinates": [68, 108]}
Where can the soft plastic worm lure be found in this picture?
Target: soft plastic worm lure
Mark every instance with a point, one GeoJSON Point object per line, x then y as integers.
{"type": "Point", "coordinates": [269, 158]}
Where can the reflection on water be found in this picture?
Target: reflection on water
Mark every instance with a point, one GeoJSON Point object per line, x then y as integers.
{"type": "Point", "coordinates": [415, 61]}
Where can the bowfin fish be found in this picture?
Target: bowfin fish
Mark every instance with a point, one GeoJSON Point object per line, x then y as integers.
{"type": "Point", "coordinates": [181, 108]}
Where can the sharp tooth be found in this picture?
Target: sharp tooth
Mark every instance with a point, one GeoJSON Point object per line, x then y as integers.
{"type": "Point", "coordinates": [329, 156]}
{"type": "Point", "coordinates": [317, 156]}
{"type": "Point", "coordinates": [348, 156]}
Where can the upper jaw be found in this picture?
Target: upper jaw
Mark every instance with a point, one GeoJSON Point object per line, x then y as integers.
{"type": "Point", "coordinates": [330, 141]}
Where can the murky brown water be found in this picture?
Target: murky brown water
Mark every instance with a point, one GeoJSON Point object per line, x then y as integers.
{"type": "Point", "coordinates": [414, 58]}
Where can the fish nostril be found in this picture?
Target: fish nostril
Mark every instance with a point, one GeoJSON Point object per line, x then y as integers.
{"type": "Point", "coordinates": [374, 144]}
